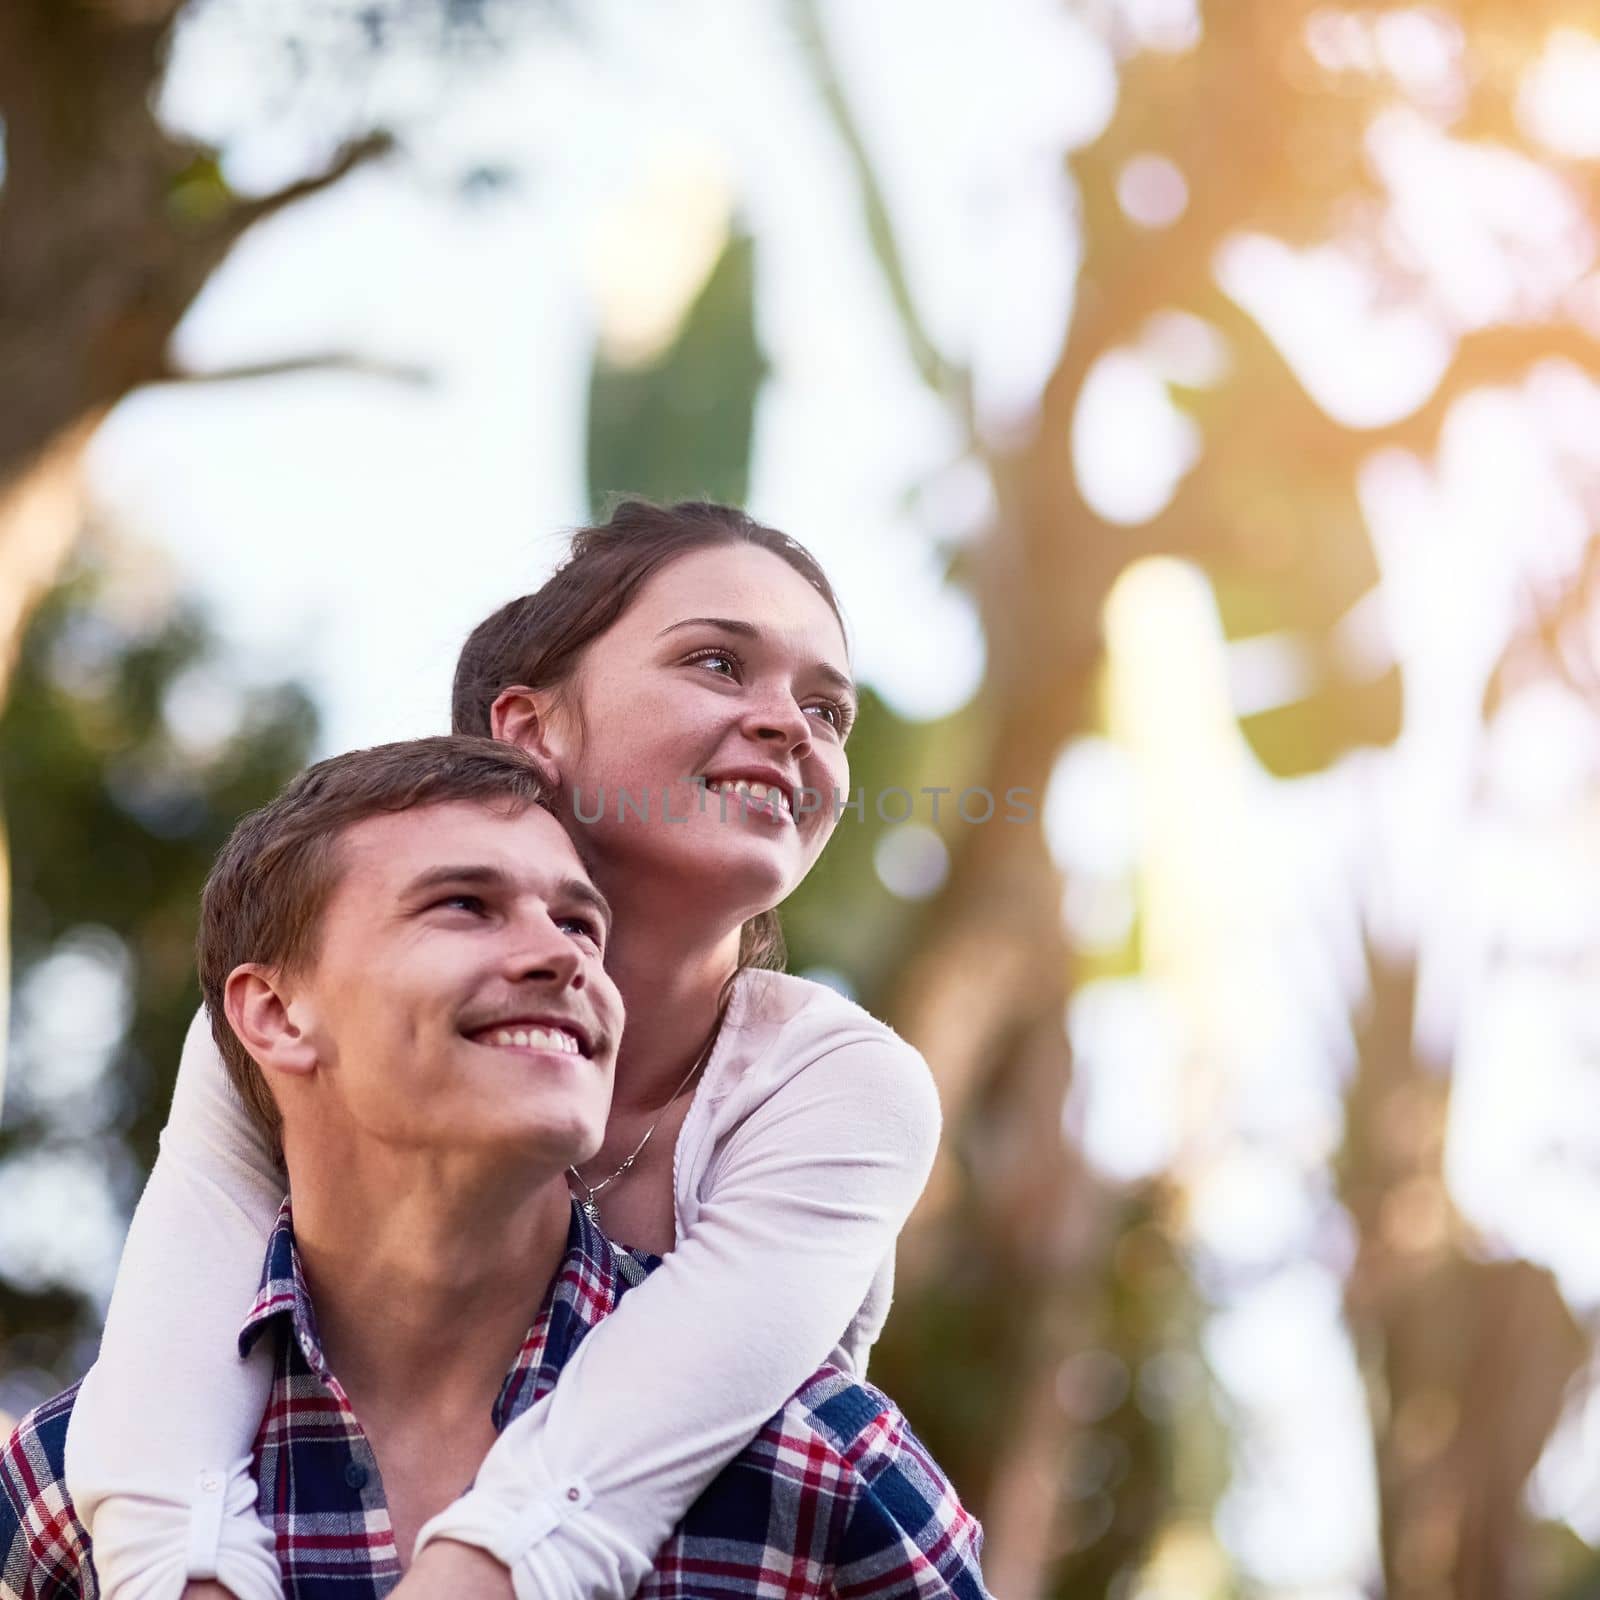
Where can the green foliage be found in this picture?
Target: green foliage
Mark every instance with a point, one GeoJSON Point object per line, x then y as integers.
{"type": "Point", "coordinates": [200, 192]}
{"type": "Point", "coordinates": [1276, 521]}
{"type": "Point", "coordinates": [679, 427]}
{"type": "Point", "coordinates": [113, 818]}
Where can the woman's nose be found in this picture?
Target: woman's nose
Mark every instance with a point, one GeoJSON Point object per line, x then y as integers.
{"type": "Point", "coordinates": [777, 719]}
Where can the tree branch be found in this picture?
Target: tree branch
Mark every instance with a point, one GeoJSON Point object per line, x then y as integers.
{"type": "Point", "coordinates": [1495, 356]}
{"type": "Point", "coordinates": [357, 153]}
{"type": "Point", "coordinates": [333, 361]}
{"type": "Point", "coordinates": [137, 13]}
{"type": "Point", "coordinates": [1488, 358]}
{"type": "Point", "coordinates": [941, 375]}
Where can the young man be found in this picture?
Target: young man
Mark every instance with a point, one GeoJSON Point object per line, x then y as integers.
{"type": "Point", "coordinates": [402, 962]}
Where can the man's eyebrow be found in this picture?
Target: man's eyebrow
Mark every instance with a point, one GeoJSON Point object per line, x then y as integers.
{"type": "Point", "coordinates": [480, 874]}
{"type": "Point", "coordinates": [748, 630]}
{"type": "Point", "coordinates": [437, 877]}
{"type": "Point", "coordinates": [582, 889]}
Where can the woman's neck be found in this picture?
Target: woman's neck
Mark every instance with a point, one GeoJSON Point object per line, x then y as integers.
{"type": "Point", "coordinates": [671, 976]}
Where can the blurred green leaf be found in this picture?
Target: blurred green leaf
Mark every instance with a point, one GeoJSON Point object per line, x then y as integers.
{"type": "Point", "coordinates": [113, 819]}
{"type": "Point", "coordinates": [679, 427]}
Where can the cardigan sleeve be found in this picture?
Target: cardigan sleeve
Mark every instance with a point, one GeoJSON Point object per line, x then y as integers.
{"type": "Point", "coordinates": [800, 1205]}
{"type": "Point", "coordinates": [159, 1445]}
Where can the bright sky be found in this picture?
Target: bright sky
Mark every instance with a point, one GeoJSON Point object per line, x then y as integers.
{"type": "Point", "coordinates": [350, 530]}
{"type": "Point", "coordinates": [355, 530]}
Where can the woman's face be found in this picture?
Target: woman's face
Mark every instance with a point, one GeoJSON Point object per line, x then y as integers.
{"type": "Point", "coordinates": [727, 669]}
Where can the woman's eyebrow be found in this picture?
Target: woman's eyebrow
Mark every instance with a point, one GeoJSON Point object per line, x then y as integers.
{"type": "Point", "coordinates": [844, 684]}
{"type": "Point", "coordinates": [746, 630]}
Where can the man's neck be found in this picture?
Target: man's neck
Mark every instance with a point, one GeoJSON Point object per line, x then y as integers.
{"type": "Point", "coordinates": [425, 1273]}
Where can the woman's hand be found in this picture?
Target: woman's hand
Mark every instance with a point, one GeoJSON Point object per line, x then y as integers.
{"type": "Point", "coordinates": [462, 1571]}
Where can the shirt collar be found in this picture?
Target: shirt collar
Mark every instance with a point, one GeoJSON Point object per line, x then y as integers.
{"type": "Point", "coordinates": [592, 1275]}
{"type": "Point", "coordinates": [283, 1294]}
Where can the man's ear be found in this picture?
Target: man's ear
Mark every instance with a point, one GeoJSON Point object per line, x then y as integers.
{"type": "Point", "coordinates": [521, 716]}
{"type": "Point", "coordinates": [260, 1012]}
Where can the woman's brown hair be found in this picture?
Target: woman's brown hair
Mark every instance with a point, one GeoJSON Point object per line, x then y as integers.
{"type": "Point", "coordinates": [537, 639]}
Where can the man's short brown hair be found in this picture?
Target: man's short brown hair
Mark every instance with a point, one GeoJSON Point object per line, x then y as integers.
{"type": "Point", "coordinates": [266, 894]}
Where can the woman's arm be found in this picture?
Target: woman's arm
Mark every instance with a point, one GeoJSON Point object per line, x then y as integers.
{"type": "Point", "coordinates": [158, 1449]}
{"type": "Point", "coordinates": [803, 1202]}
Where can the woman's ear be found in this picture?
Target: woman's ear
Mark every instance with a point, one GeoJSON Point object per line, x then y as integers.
{"type": "Point", "coordinates": [521, 716]}
{"type": "Point", "coordinates": [267, 1025]}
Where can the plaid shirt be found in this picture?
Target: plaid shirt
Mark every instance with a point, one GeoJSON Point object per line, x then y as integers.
{"type": "Point", "coordinates": [835, 1496]}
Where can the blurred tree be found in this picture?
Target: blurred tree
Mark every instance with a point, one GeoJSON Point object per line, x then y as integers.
{"type": "Point", "coordinates": [1467, 1360]}
{"type": "Point", "coordinates": [1260, 127]}
{"type": "Point", "coordinates": [678, 426]}
{"type": "Point", "coordinates": [111, 223]}
{"type": "Point", "coordinates": [126, 757]}
{"type": "Point", "coordinates": [1263, 109]}
{"type": "Point", "coordinates": [109, 227]}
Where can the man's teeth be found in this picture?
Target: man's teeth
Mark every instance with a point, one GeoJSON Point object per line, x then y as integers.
{"type": "Point", "coordinates": [754, 791]}
{"type": "Point", "coordinates": [537, 1039]}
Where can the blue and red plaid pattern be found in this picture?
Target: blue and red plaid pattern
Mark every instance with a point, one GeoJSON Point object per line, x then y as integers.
{"type": "Point", "coordinates": [835, 1496]}
{"type": "Point", "coordinates": [46, 1549]}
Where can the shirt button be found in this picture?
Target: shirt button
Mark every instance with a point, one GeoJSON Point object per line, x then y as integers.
{"type": "Point", "coordinates": [355, 1475]}
{"type": "Point", "coordinates": [572, 1494]}
{"type": "Point", "coordinates": [211, 1483]}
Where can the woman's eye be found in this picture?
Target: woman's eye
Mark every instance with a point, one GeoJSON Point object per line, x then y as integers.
{"type": "Point", "coordinates": [838, 715]}
{"type": "Point", "coordinates": [705, 657]}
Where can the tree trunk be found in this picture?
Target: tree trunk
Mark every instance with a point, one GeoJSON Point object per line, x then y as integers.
{"type": "Point", "coordinates": [984, 995]}
{"type": "Point", "coordinates": [1467, 1361]}
{"type": "Point", "coordinates": [42, 509]}
{"type": "Point", "coordinates": [109, 227]}
{"type": "Point", "coordinates": [97, 258]}
{"type": "Point", "coordinates": [40, 516]}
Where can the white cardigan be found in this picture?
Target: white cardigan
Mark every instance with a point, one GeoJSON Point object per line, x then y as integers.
{"type": "Point", "coordinates": [809, 1139]}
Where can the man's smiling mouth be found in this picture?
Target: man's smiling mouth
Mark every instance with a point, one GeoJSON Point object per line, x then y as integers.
{"type": "Point", "coordinates": [531, 1034]}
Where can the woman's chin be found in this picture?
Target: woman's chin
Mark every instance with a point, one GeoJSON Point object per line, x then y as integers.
{"type": "Point", "coordinates": [745, 865]}
{"type": "Point", "coordinates": [741, 867]}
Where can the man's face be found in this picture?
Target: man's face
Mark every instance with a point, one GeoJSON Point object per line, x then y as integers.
{"type": "Point", "coordinates": [458, 1001]}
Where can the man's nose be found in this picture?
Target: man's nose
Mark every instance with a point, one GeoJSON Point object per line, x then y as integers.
{"type": "Point", "coordinates": [541, 952]}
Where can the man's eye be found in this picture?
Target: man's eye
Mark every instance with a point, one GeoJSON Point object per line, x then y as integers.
{"type": "Point", "coordinates": [467, 902]}
{"type": "Point", "coordinates": [584, 925]}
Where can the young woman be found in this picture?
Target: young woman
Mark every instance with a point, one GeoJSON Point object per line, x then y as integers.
{"type": "Point", "coordinates": [685, 675]}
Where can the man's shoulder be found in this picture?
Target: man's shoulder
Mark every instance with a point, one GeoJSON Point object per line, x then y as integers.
{"type": "Point", "coordinates": [899, 1520]}
{"type": "Point", "coordinates": [33, 1459]}
{"type": "Point", "coordinates": [860, 1425]}
{"type": "Point", "coordinates": [43, 1546]}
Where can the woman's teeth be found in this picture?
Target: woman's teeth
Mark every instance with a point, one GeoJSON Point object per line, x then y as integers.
{"type": "Point", "coordinates": [770, 799]}
{"type": "Point", "coordinates": [537, 1039]}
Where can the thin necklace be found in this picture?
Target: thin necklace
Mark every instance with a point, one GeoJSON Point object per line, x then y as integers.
{"type": "Point", "coordinates": [591, 1192]}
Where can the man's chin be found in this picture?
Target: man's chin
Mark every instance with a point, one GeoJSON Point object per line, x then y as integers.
{"type": "Point", "coordinates": [554, 1147]}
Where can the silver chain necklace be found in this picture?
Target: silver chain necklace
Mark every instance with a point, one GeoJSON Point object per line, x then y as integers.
{"type": "Point", "coordinates": [592, 1192]}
